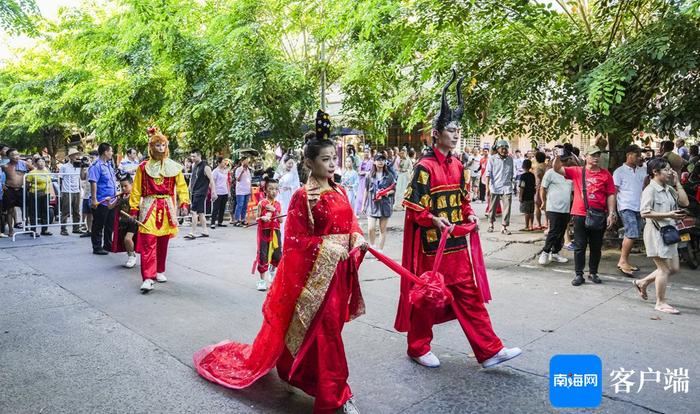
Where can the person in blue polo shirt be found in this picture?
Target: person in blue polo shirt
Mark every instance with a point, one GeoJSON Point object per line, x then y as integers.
{"type": "Point", "coordinates": [103, 187]}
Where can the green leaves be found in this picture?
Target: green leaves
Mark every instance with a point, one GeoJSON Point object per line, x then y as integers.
{"type": "Point", "coordinates": [224, 74]}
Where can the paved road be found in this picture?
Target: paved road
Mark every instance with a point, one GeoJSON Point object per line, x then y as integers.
{"type": "Point", "coordinates": [76, 336]}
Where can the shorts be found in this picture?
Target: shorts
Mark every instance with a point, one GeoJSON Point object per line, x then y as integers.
{"type": "Point", "coordinates": [13, 198]}
{"type": "Point", "coordinates": [198, 202]}
{"type": "Point", "coordinates": [633, 224]}
{"type": "Point", "coordinates": [128, 227]}
{"type": "Point", "coordinates": [87, 208]}
{"type": "Point", "coordinates": [527, 207]}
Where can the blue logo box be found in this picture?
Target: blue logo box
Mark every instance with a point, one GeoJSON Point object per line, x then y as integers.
{"type": "Point", "coordinates": [575, 381]}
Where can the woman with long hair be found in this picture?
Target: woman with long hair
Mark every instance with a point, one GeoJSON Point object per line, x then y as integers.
{"type": "Point", "coordinates": [662, 201]}
{"type": "Point", "coordinates": [288, 178]}
{"type": "Point", "coordinates": [315, 292]}
{"type": "Point", "coordinates": [404, 169]}
{"type": "Point", "coordinates": [379, 194]}
{"type": "Point", "coordinates": [350, 180]}
{"type": "Point", "coordinates": [365, 170]}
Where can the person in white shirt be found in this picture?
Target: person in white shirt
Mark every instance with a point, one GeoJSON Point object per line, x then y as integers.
{"type": "Point", "coordinates": [555, 193]}
{"type": "Point", "coordinates": [518, 162]}
{"type": "Point", "coordinates": [629, 183]}
{"type": "Point", "coordinates": [220, 175]}
{"type": "Point", "coordinates": [243, 179]}
{"type": "Point", "coordinates": [475, 173]}
{"type": "Point", "coordinates": [130, 163]}
{"type": "Point", "coordinates": [70, 175]}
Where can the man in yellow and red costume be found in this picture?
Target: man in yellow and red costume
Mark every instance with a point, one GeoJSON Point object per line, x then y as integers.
{"type": "Point", "coordinates": [158, 186]}
{"type": "Point", "coordinates": [437, 200]}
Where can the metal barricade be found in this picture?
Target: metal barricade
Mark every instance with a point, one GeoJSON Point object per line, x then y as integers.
{"type": "Point", "coordinates": [40, 206]}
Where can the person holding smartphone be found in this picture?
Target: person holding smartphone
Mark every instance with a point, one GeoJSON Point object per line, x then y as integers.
{"type": "Point", "coordinates": [594, 190]}
{"type": "Point", "coordinates": [662, 204]}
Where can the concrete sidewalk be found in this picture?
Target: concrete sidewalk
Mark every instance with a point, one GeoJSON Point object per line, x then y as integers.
{"type": "Point", "coordinates": [76, 336]}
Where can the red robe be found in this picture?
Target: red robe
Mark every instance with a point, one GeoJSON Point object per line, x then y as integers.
{"type": "Point", "coordinates": [118, 235]}
{"type": "Point", "coordinates": [438, 187]}
{"type": "Point", "coordinates": [311, 286]}
{"type": "Point", "coordinates": [272, 225]}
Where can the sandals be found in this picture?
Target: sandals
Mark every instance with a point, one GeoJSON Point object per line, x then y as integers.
{"type": "Point", "coordinates": [667, 309]}
{"type": "Point", "coordinates": [190, 237]}
{"type": "Point", "coordinates": [505, 231]}
{"type": "Point", "coordinates": [490, 229]}
{"type": "Point", "coordinates": [641, 291]}
{"type": "Point", "coordinates": [627, 271]}
{"type": "Point", "coordinates": [203, 235]}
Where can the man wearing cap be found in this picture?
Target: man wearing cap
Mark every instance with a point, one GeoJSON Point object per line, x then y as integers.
{"type": "Point", "coordinates": [70, 175]}
{"type": "Point", "coordinates": [600, 198]}
{"type": "Point", "coordinates": [499, 176]}
{"type": "Point", "coordinates": [629, 183]}
{"type": "Point", "coordinates": [437, 201]}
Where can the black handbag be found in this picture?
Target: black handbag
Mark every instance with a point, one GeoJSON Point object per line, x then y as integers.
{"type": "Point", "coordinates": [596, 219]}
{"type": "Point", "coordinates": [669, 233]}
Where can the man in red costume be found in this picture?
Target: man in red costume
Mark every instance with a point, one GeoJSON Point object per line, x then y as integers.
{"type": "Point", "coordinates": [436, 200]}
{"type": "Point", "coordinates": [152, 203]}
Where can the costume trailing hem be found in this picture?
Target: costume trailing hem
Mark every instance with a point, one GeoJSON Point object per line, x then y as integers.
{"type": "Point", "coordinates": [309, 263]}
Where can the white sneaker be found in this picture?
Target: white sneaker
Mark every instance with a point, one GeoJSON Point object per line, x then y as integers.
{"type": "Point", "coordinates": [147, 286]}
{"type": "Point", "coordinates": [544, 258]}
{"type": "Point", "coordinates": [262, 285]}
{"type": "Point", "coordinates": [349, 407]}
{"type": "Point", "coordinates": [130, 262]}
{"type": "Point", "coordinates": [160, 277]}
{"type": "Point", "coordinates": [559, 259]}
{"type": "Point", "coordinates": [428, 360]}
{"type": "Point", "coordinates": [502, 356]}
{"type": "Point", "coordinates": [266, 277]}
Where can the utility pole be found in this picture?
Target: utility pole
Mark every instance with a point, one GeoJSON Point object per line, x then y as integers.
{"type": "Point", "coordinates": [323, 69]}
{"type": "Point", "coordinates": [323, 75]}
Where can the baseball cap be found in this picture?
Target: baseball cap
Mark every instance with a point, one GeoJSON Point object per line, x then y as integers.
{"type": "Point", "coordinates": [633, 148]}
{"type": "Point", "coordinates": [502, 143]}
{"type": "Point", "coordinates": [592, 150]}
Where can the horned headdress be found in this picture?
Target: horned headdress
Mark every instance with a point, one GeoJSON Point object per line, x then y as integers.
{"type": "Point", "coordinates": [446, 114]}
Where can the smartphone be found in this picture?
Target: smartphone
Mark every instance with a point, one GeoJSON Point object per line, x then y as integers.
{"type": "Point", "coordinates": [560, 152]}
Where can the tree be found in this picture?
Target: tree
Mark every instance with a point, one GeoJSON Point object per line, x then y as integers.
{"type": "Point", "coordinates": [17, 16]}
{"type": "Point", "coordinates": [39, 102]}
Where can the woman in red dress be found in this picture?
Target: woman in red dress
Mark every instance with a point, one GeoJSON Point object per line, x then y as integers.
{"type": "Point", "coordinates": [315, 292]}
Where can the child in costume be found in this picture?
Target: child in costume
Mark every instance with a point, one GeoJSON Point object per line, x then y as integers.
{"type": "Point", "coordinates": [316, 291]}
{"type": "Point", "coordinates": [153, 201]}
{"type": "Point", "coordinates": [269, 238]}
{"type": "Point", "coordinates": [125, 226]}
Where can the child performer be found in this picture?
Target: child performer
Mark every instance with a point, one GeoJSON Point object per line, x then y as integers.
{"type": "Point", "coordinates": [316, 291]}
{"type": "Point", "coordinates": [125, 227]}
{"type": "Point", "coordinates": [527, 195]}
{"type": "Point", "coordinates": [153, 201]}
{"type": "Point", "coordinates": [269, 239]}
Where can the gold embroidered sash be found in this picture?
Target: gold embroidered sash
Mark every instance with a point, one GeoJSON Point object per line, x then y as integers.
{"type": "Point", "coordinates": [314, 292]}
